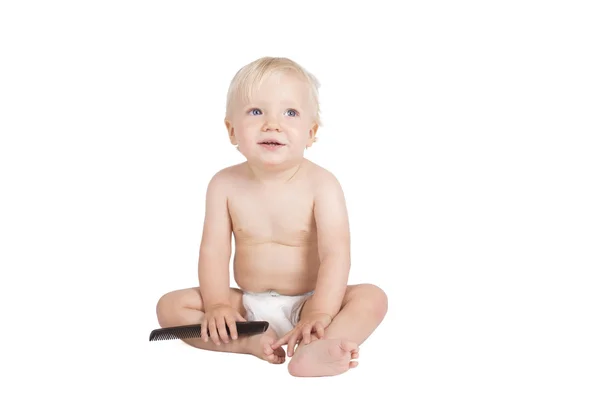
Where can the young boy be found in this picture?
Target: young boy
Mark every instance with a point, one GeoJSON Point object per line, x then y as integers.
{"type": "Point", "coordinates": [292, 239]}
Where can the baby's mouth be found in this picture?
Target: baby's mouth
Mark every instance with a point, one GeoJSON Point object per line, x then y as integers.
{"type": "Point", "coordinates": [271, 143]}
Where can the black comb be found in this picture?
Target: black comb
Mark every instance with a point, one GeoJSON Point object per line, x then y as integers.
{"type": "Point", "coordinates": [244, 328]}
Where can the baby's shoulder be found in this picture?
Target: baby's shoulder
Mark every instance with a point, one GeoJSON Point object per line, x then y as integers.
{"type": "Point", "coordinates": [229, 174]}
{"type": "Point", "coordinates": [321, 177]}
{"type": "Point", "coordinates": [225, 179]}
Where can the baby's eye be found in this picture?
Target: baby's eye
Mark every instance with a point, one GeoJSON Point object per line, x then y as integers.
{"type": "Point", "coordinates": [291, 113]}
{"type": "Point", "coordinates": [255, 111]}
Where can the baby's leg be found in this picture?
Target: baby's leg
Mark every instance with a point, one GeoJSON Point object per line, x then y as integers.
{"type": "Point", "coordinates": [185, 307]}
{"type": "Point", "coordinates": [363, 309]}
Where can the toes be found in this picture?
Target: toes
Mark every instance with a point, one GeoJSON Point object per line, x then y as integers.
{"type": "Point", "coordinates": [354, 354]}
{"type": "Point", "coordinates": [274, 356]}
{"type": "Point", "coordinates": [353, 364]}
{"type": "Point", "coordinates": [349, 346]}
{"type": "Point", "coordinates": [280, 355]}
{"type": "Point", "coordinates": [276, 359]}
{"type": "Point", "coordinates": [267, 349]}
{"type": "Point", "coordinates": [280, 352]}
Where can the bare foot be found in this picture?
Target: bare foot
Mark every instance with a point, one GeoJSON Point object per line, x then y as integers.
{"type": "Point", "coordinates": [325, 357]}
{"type": "Point", "coordinates": [260, 346]}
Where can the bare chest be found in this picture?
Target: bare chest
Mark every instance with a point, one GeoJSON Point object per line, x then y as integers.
{"type": "Point", "coordinates": [281, 217]}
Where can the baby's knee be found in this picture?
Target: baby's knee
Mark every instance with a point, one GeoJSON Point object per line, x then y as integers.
{"type": "Point", "coordinates": [165, 308]}
{"type": "Point", "coordinates": [376, 298]}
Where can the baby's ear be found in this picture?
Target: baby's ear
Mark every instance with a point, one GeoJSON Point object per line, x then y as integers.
{"type": "Point", "coordinates": [312, 134]}
{"type": "Point", "coordinates": [313, 131]}
{"type": "Point", "coordinates": [230, 132]}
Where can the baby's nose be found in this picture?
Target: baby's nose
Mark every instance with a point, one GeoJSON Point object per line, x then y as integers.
{"type": "Point", "coordinates": [272, 125]}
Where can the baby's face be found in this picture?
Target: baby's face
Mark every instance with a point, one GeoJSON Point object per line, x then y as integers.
{"type": "Point", "coordinates": [280, 112]}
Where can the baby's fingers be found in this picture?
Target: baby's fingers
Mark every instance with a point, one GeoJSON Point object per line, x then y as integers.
{"type": "Point", "coordinates": [222, 330]}
{"type": "Point", "coordinates": [306, 333]}
{"type": "Point", "coordinates": [294, 338]}
{"type": "Point", "coordinates": [232, 327]}
{"type": "Point", "coordinates": [281, 341]}
{"type": "Point", "coordinates": [212, 328]}
{"type": "Point", "coordinates": [204, 330]}
{"type": "Point", "coordinates": [320, 330]}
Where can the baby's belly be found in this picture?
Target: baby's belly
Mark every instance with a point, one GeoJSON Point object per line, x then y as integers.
{"type": "Point", "coordinates": [288, 270]}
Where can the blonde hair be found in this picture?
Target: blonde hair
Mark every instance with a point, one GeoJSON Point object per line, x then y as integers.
{"type": "Point", "coordinates": [252, 75]}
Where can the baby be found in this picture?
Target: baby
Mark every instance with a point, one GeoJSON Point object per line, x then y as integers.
{"type": "Point", "coordinates": [292, 239]}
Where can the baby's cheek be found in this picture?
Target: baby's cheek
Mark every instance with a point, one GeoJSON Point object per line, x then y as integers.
{"type": "Point", "coordinates": [249, 131]}
{"type": "Point", "coordinates": [243, 132]}
{"type": "Point", "coordinates": [247, 140]}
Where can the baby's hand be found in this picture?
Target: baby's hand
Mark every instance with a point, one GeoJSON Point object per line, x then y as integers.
{"type": "Point", "coordinates": [315, 322]}
{"type": "Point", "coordinates": [215, 320]}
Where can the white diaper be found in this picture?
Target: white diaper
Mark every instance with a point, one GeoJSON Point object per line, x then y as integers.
{"type": "Point", "coordinates": [280, 311]}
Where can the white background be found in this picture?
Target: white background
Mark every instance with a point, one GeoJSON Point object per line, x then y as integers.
{"type": "Point", "coordinates": [465, 135]}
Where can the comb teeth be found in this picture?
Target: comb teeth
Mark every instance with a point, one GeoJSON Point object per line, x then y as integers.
{"type": "Point", "coordinates": [244, 328]}
{"type": "Point", "coordinates": [181, 332]}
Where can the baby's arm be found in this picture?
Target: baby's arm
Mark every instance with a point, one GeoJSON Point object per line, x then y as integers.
{"type": "Point", "coordinates": [215, 248]}
{"type": "Point", "coordinates": [333, 229]}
